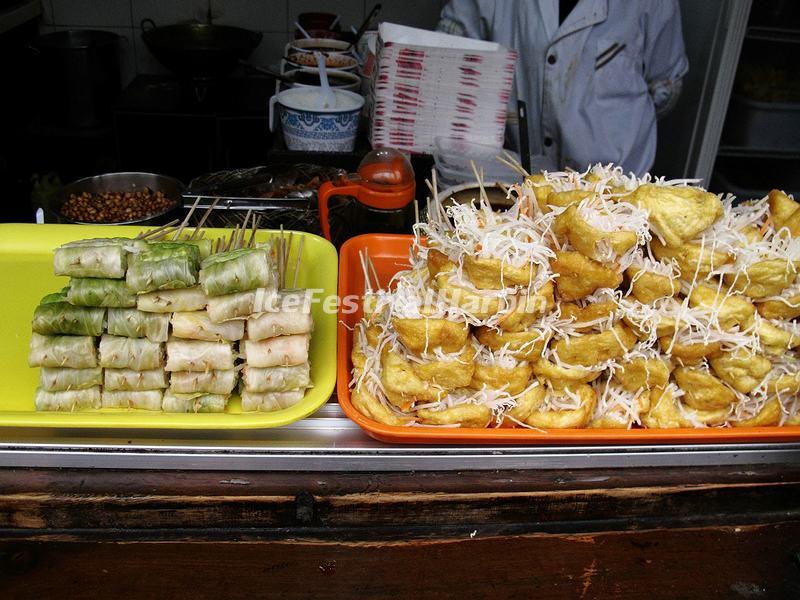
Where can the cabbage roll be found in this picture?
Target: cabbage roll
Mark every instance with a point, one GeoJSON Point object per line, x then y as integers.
{"type": "Point", "coordinates": [67, 400]}
{"type": "Point", "coordinates": [196, 355]}
{"type": "Point", "coordinates": [100, 292]}
{"type": "Point", "coordinates": [198, 326]}
{"type": "Point", "coordinates": [142, 400]}
{"type": "Point", "coordinates": [101, 257]}
{"type": "Point", "coordinates": [139, 354]}
{"type": "Point", "coordinates": [283, 351]}
{"type": "Point", "coordinates": [164, 266]}
{"type": "Point", "coordinates": [210, 382]}
{"type": "Point", "coordinates": [276, 379]}
{"type": "Point", "coordinates": [238, 271]}
{"type": "Point", "coordinates": [58, 379]}
{"type": "Point", "coordinates": [269, 401]}
{"type": "Point", "coordinates": [130, 380]}
{"type": "Point", "coordinates": [56, 316]}
{"type": "Point", "coordinates": [268, 325]}
{"type": "Point", "coordinates": [167, 301]}
{"type": "Point", "coordinates": [132, 322]}
{"type": "Point", "coordinates": [186, 403]}
{"type": "Point", "coordinates": [241, 305]}
{"type": "Point", "coordinates": [204, 246]}
{"type": "Point", "coordinates": [72, 351]}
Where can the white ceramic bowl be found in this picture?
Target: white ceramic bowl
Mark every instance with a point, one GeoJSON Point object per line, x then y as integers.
{"type": "Point", "coordinates": [307, 128]}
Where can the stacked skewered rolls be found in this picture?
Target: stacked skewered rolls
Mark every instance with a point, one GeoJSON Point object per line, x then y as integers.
{"type": "Point", "coordinates": [597, 300]}
{"type": "Point", "coordinates": [157, 326]}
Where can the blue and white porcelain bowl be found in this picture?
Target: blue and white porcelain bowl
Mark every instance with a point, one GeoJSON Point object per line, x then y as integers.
{"type": "Point", "coordinates": [309, 128]}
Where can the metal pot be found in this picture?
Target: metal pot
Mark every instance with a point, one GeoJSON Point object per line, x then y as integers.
{"type": "Point", "coordinates": [78, 77]}
{"type": "Point", "coordinates": [197, 50]}
{"type": "Point", "coordinates": [123, 182]}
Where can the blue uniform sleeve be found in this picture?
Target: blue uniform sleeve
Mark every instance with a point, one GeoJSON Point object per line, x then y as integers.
{"type": "Point", "coordinates": [665, 61]}
{"type": "Point", "coordinates": [464, 18]}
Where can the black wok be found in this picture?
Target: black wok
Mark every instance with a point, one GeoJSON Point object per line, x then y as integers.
{"type": "Point", "coordinates": [196, 50]}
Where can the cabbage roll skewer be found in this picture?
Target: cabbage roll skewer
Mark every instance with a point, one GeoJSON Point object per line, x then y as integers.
{"type": "Point", "coordinates": [196, 355]}
{"type": "Point", "coordinates": [198, 326]}
{"type": "Point", "coordinates": [70, 351]}
{"type": "Point", "coordinates": [56, 316]}
{"type": "Point", "coordinates": [142, 400]}
{"type": "Point", "coordinates": [269, 401]}
{"type": "Point", "coordinates": [238, 271]}
{"type": "Point", "coordinates": [164, 266]}
{"type": "Point", "coordinates": [167, 301]}
{"type": "Point", "coordinates": [136, 381]}
{"type": "Point", "coordinates": [139, 354]}
{"type": "Point", "coordinates": [134, 323]}
{"type": "Point", "coordinates": [208, 382]}
{"type": "Point", "coordinates": [58, 379]}
{"type": "Point", "coordinates": [67, 400]}
{"type": "Point", "coordinates": [188, 403]}
{"type": "Point", "coordinates": [100, 292]}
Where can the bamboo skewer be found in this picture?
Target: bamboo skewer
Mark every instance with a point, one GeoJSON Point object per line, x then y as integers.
{"type": "Point", "coordinates": [479, 177]}
{"type": "Point", "coordinates": [186, 219]}
{"type": "Point", "coordinates": [146, 234]}
{"type": "Point", "coordinates": [205, 216]}
{"type": "Point", "coordinates": [297, 261]}
{"type": "Point", "coordinates": [256, 223]}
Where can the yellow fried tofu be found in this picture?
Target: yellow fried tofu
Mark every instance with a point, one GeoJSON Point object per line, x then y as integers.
{"type": "Point", "coordinates": [784, 211]}
{"type": "Point", "coordinates": [494, 274]}
{"type": "Point", "coordinates": [566, 419]}
{"type": "Point", "coordinates": [420, 335]}
{"type": "Point", "coordinates": [563, 199]}
{"type": "Point", "coordinates": [677, 213]}
{"type": "Point", "coordinates": [480, 306]}
{"type": "Point", "coordinates": [594, 348]}
{"type": "Point", "coordinates": [617, 417]}
{"type": "Point", "coordinates": [438, 262]}
{"type": "Point", "coordinates": [642, 374]}
{"type": "Point", "coordinates": [526, 404]}
{"type": "Point", "coordinates": [689, 354]}
{"type": "Point", "coordinates": [583, 318]}
{"type": "Point", "coordinates": [731, 310]}
{"type": "Point", "coordinates": [369, 406]}
{"type": "Point", "coordinates": [579, 276]}
{"type": "Point", "coordinates": [512, 380]}
{"type": "Point", "coordinates": [467, 415]}
{"type": "Point", "coordinates": [764, 278]}
{"type": "Point", "coordinates": [522, 345]}
{"type": "Point", "coordinates": [703, 390]}
{"type": "Point", "coordinates": [560, 377]}
{"type": "Point", "coordinates": [590, 241]}
{"type": "Point", "coordinates": [647, 287]}
{"type": "Point", "coordinates": [691, 258]}
{"type": "Point", "coordinates": [667, 412]}
{"type": "Point", "coordinates": [528, 308]}
{"type": "Point", "coordinates": [775, 340]}
{"type": "Point", "coordinates": [783, 385]}
{"type": "Point", "coordinates": [403, 386]}
{"type": "Point", "coordinates": [448, 374]}
{"type": "Point", "coordinates": [541, 189]}
{"type": "Point", "coordinates": [786, 309]}
{"type": "Point", "coordinates": [357, 353]}
{"type": "Point", "coordinates": [741, 370]}
{"type": "Point", "coordinates": [770, 414]}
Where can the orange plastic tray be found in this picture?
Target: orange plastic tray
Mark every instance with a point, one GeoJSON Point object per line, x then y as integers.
{"type": "Point", "coordinates": [389, 253]}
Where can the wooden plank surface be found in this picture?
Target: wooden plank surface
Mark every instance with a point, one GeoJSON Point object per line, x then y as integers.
{"type": "Point", "coordinates": [717, 562]}
{"type": "Point", "coordinates": [717, 532]}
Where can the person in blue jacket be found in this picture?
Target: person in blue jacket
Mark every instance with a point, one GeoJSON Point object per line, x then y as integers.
{"type": "Point", "coordinates": [595, 74]}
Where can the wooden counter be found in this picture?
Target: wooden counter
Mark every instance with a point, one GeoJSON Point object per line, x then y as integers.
{"type": "Point", "coordinates": [691, 532]}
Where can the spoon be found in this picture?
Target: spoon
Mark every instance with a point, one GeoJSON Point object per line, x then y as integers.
{"type": "Point", "coordinates": [301, 30]}
{"type": "Point", "coordinates": [327, 99]}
